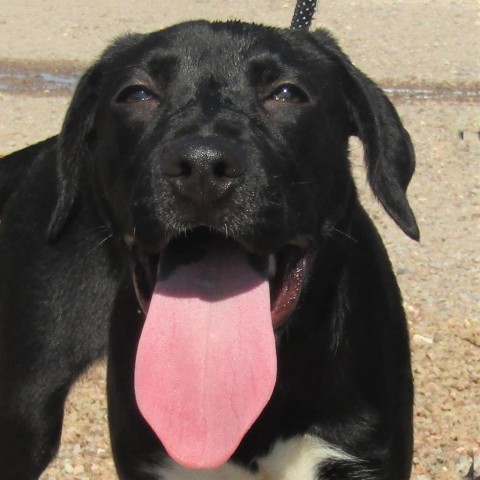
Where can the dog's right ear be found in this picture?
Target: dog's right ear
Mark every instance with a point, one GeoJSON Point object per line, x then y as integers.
{"type": "Point", "coordinates": [72, 148]}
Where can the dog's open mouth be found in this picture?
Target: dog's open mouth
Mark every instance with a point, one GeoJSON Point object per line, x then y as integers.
{"type": "Point", "coordinates": [206, 359]}
{"type": "Point", "coordinates": [284, 269]}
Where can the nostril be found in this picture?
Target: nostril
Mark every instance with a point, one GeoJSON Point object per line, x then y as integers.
{"type": "Point", "coordinates": [177, 167]}
{"type": "Point", "coordinates": [185, 168]}
{"type": "Point", "coordinates": [220, 169]}
{"type": "Point", "coordinates": [229, 168]}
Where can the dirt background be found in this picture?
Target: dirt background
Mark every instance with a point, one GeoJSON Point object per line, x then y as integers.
{"type": "Point", "coordinates": [427, 55]}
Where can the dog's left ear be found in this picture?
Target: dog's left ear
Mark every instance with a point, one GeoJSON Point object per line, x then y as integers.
{"type": "Point", "coordinates": [389, 154]}
{"type": "Point", "coordinates": [72, 149]}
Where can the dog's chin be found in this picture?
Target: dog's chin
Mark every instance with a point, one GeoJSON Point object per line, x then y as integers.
{"type": "Point", "coordinates": [285, 268]}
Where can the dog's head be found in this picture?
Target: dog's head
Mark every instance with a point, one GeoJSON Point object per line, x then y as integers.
{"type": "Point", "coordinates": [211, 138]}
{"type": "Point", "coordinates": [231, 128]}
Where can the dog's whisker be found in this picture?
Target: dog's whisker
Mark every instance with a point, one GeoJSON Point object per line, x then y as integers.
{"type": "Point", "coordinates": [101, 242]}
{"type": "Point", "coordinates": [300, 183]}
{"type": "Point", "coordinates": [101, 228]}
{"type": "Point", "coordinates": [343, 234]}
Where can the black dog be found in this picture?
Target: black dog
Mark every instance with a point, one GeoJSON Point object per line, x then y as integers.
{"type": "Point", "coordinates": [197, 218]}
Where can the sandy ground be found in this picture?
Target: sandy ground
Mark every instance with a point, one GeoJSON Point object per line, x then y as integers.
{"type": "Point", "coordinates": [418, 45]}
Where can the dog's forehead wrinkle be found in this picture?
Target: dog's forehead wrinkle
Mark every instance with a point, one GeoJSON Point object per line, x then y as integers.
{"type": "Point", "coordinates": [219, 52]}
{"type": "Point", "coordinates": [224, 45]}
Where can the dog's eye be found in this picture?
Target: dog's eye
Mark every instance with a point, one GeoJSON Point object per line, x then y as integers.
{"type": "Point", "coordinates": [288, 93]}
{"type": "Point", "coordinates": [135, 94]}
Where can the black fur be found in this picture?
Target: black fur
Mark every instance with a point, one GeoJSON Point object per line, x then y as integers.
{"type": "Point", "coordinates": [65, 273]}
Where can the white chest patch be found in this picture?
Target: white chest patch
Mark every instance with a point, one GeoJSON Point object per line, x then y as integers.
{"type": "Point", "coordinates": [295, 459]}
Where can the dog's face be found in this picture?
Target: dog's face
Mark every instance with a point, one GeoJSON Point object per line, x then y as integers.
{"type": "Point", "coordinates": [230, 131]}
{"type": "Point", "coordinates": [238, 130]}
{"type": "Point", "coordinates": [207, 139]}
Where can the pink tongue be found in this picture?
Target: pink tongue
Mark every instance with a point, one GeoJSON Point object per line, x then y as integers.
{"type": "Point", "coordinates": [206, 361]}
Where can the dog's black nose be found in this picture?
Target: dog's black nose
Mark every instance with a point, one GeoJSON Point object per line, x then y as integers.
{"type": "Point", "coordinates": [204, 169]}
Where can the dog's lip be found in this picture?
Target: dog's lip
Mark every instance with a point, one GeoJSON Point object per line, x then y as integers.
{"type": "Point", "coordinates": [285, 269]}
{"type": "Point", "coordinates": [148, 247]}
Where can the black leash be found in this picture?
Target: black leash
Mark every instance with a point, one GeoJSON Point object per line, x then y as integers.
{"type": "Point", "coordinates": [304, 10]}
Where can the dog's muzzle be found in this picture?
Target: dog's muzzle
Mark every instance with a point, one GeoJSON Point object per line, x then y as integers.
{"type": "Point", "coordinates": [203, 170]}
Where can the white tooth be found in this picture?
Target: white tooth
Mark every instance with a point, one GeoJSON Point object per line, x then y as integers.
{"type": "Point", "coordinates": [272, 266]}
{"type": "Point", "coordinates": [129, 240]}
{"type": "Point", "coordinates": [299, 242]}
